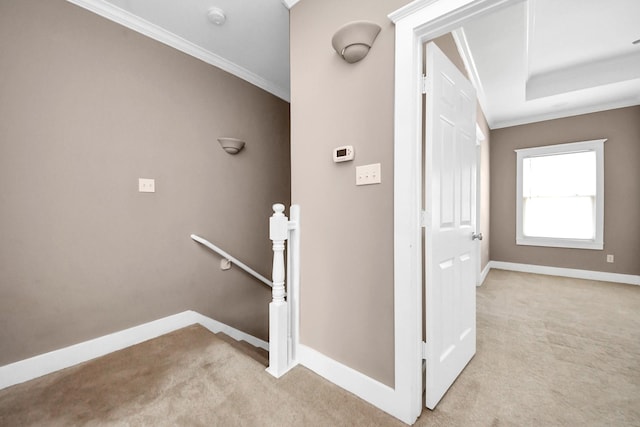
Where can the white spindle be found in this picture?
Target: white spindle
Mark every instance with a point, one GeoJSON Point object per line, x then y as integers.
{"type": "Point", "coordinates": [278, 311]}
{"type": "Point", "coordinates": [278, 230]}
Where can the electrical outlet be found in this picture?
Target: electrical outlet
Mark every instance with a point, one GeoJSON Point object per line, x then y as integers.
{"type": "Point", "coordinates": [610, 258]}
{"type": "Point", "coordinates": [368, 174]}
{"type": "Point", "coordinates": [146, 185]}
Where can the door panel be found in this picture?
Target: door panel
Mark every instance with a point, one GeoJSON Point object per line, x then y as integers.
{"type": "Point", "coordinates": [467, 182]}
{"type": "Point", "coordinates": [450, 200]}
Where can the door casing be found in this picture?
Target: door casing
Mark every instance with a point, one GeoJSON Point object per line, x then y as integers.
{"type": "Point", "coordinates": [416, 23]}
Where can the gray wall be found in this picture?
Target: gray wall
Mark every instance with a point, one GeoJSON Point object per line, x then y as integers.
{"type": "Point", "coordinates": [86, 108]}
{"type": "Point", "coordinates": [347, 238]}
{"type": "Point", "coordinates": [622, 194]}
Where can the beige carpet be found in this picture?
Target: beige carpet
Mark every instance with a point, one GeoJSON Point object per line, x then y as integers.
{"type": "Point", "coordinates": [551, 351]}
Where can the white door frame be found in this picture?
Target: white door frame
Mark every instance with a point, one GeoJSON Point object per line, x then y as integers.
{"type": "Point", "coordinates": [479, 138]}
{"type": "Point", "coordinates": [415, 23]}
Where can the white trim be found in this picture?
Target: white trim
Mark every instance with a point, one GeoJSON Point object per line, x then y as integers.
{"type": "Point", "coordinates": [479, 135]}
{"type": "Point", "coordinates": [407, 206]}
{"type": "Point", "coordinates": [601, 276]}
{"type": "Point", "coordinates": [415, 23]}
{"type": "Point", "coordinates": [43, 364]}
{"type": "Point", "coordinates": [479, 138]}
{"type": "Point", "coordinates": [374, 392]}
{"type": "Point", "coordinates": [409, 9]}
{"type": "Point", "coordinates": [460, 38]}
{"type": "Point", "coordinates": [215, 327]}
{"type": "Point", "coordinates": [628, 102]}
{"type": "Point", "coordinates": [139, 25]}
{"type": "Point", "coordinates": [484, 273]}
{"type": "Point", "coordinates": [289, 3]}
{"type": "Point", "coordinates": [293, 282]}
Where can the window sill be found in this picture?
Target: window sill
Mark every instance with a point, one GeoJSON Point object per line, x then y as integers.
{"type": "Point", "coordinates": [560, 243]}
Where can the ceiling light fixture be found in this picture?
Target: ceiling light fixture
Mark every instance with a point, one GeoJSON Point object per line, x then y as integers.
{"type": "Point", "coordinates": [216, 16]}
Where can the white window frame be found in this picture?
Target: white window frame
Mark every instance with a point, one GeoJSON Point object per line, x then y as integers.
{"type": "Point", "coordinates": [596, 146]}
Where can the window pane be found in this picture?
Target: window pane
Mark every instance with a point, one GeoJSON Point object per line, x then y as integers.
{"type": "Point", "coordinates": [559, 217]}
{"type": "Point", "coordinates": [560, 175]}
{"type": "Point", "coordinates": [560, 201]}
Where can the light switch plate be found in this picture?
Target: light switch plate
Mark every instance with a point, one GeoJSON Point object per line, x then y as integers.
{"type": "Point", "coordinates": [146, 185]}
{"type": "Point", "coordinates": [368, 174]}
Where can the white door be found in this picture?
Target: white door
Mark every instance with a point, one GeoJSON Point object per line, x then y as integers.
{"type": "Point", "coordinates": [450, 219]}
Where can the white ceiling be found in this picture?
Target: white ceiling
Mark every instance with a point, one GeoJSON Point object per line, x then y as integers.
{"type": "Point", "coordinates": [252, 44]}
{"type": "Point", "coordinates": [544, 59]}
{"type": "Point", "coordinates": [532, 61]}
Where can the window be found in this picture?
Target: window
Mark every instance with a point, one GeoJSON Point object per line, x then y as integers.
{"type": "Point", "coordinates": [560, 195]}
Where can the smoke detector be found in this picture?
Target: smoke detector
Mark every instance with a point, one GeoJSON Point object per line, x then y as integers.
{"type": "Point", "coordinates": [216, 16]}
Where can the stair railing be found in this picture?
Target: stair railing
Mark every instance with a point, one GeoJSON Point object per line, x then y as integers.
{"type": "Point", "coordinates": [233, 259]}
{"type": "Point", "coordinates": [284, 318]}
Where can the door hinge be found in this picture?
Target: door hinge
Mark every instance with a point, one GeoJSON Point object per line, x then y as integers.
{"type": "Point", "coordinates": [424, 350]}
{"type": "Point", "coordinates": [425, 83]}
{"type": "Point", "coordinates": [424, 219]}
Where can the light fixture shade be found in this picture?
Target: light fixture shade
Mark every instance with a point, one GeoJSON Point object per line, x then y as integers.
{"type": "Point", "coordinates": [231, 145]}
{"type": "Point", "coordinates": [353, 40]}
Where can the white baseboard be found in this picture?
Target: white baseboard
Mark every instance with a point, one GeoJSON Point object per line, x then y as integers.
{"type": "Point", "coordinates": [215, 327]}
{"type": "Point", "coordinates": [43, 364]}
{"type": "Point", "coordinates": [374, 392]}
{"type": "Point", "coordinates": [566, 272]}
{"type": "Point", "coordinates": [483, 274]}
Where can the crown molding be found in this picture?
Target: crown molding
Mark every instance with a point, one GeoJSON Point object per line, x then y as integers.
{"type": "Point", "coordinates": [409, 9]}
{"type": "Point", "coordinates": [289, 3]}
{"type": "Point", "coordinates": [139, 25]}
{"type": "Point", "coordinates": [460, 38]}
{"type": "Point", "coordinates": [628, 102]}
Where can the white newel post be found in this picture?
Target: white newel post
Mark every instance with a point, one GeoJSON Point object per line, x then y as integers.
{"type": "Point", "coordinates": [278, 316]}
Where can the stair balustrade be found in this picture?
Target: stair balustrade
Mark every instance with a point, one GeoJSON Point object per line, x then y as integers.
{"type": "Point", "coordinates": [284, 318]}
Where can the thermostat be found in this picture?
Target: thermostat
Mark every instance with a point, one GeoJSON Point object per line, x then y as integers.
{"type": "Point", "coordinates": [343, 154]}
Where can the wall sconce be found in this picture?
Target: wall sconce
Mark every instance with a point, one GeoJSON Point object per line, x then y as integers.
{"type": "Point", "coordinates": [231, 145]}
{"type": "Point", "coordinates": [353, 40]}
